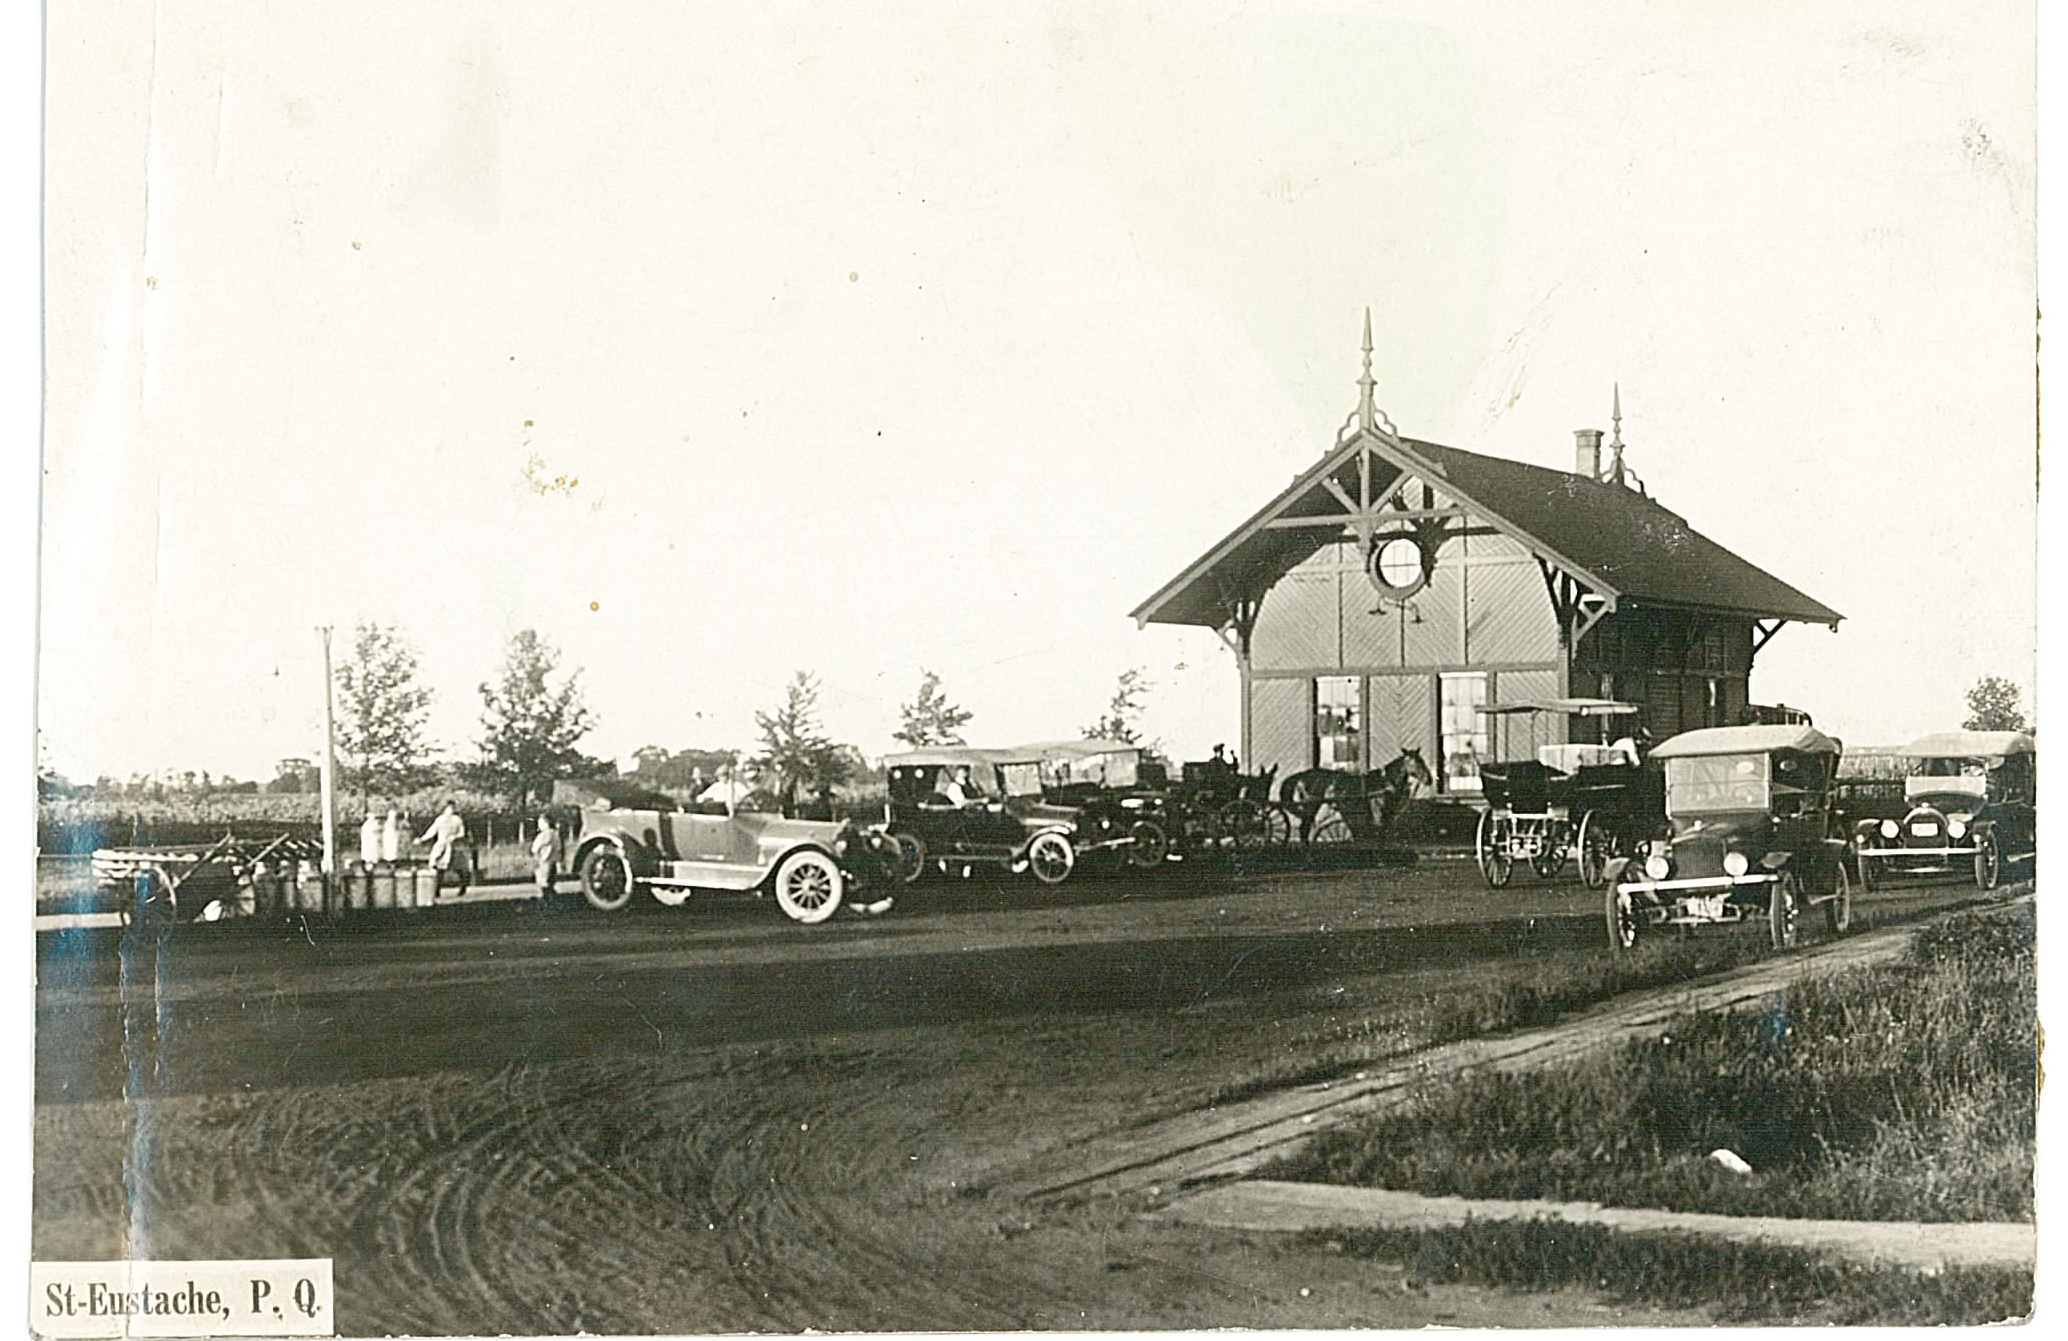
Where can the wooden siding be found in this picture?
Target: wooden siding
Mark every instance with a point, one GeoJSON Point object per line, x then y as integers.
{"type": "Point", "coordinates": [1281, 726]}
{"type": "Point", "coordinates": [1298, 623]}
{"type": "Point", "coordinates": [1402, 713]}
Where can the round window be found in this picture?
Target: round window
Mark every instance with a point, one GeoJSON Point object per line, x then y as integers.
{"type": "Point", "coordinates": [1398, 563]}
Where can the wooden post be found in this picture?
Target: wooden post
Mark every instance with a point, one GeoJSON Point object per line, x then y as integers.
{"type": "Point", "coordinates": [328, 776]}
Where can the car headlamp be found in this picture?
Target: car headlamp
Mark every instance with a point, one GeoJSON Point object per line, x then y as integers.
{"type": "Point", "coordinates": [1736, 864]}
{"type": "Point", "coordinates": [1889, 828]}
{"type": "Point", "coordinates": [1956, 828]}
{"type": "Point", "coordinates": [1658, 866]}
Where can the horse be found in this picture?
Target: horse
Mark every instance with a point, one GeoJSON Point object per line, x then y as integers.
{"type": "Point", "coordinates": [1394, 786]}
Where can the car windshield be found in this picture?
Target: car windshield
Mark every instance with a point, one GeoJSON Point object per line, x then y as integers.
{"type": "Point", "coordinates": [1714, 782]}
{"type": "Point", "coordinates": [1020, 779]}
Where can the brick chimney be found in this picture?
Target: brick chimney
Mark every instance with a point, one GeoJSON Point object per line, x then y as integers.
{"type": "Point", "coordinates": [1587, 452]}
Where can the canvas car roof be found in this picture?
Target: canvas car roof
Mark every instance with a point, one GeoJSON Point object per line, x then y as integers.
{"type": "Point", "coordinates": [1970, 745]}
{"type": "Point", "coordinates": [616, 793]}
{"type": "Point", "coordinates": [1745, 740]}
{"type": "Point", "coordinates": [1078, 749]}
{"type": "Point", "coordinates": [951, 755]}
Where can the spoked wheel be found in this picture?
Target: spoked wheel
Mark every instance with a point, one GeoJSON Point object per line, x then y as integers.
{"type": "Point", "coordinates": [1051, 857]}
{"type": "Point", "coordinates": [1331, 829]}
{"type": "Point", "coordinates": [1988, 861]}
{"type": "Point", "coordinates": [1279, 826]}
{"type": "Point", "coordinates": [809, 887]}
{"type": "Point", "coordinates": [1496, 863]}
{"type": "Point", "coordinates": [1626, 923]}
{"type": "Point", "coordinates": [1838, 909]}
{"type": "Point", "coordinates": [1595, 847]}
{"type": "Point", "coordinates": [1782, 912]}
{"type": "Point", "coordinates": [1151, 844]}
{"type": "Point", "coordinates": [607, 882]}
{"type": "Point", "coordinates": [1243, 821]}
{"type": "Point", "coordinates": [1548, 863]}
{"type": "Point", "coordinates": [910, 862]}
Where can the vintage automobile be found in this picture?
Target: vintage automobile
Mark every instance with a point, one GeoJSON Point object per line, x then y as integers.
{"type": "Point", "coordinates": [625, 838]}
{"type": "Point", "coordinates": [1747, 834]}
{"type": "Point", "coordinates": [1118, 789]}
{"type": "Point", "coordinates": [1007, 821]}
{"type": "Point", "coordinates": [1970, 810]}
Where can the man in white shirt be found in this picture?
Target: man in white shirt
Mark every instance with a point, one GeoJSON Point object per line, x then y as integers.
{"type": "Point", "coordinates": [958, 789]}
{"type": "Point", "coordinates": [445, 832]}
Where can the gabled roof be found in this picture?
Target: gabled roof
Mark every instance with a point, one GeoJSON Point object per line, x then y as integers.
{"type": "Point", "coordinates": [1620, 542]}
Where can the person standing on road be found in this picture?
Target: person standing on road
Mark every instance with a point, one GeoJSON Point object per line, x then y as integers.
{"type": "Point", "coordinates": [443, 836]}
{"type": "Point", "coordinates": [545, 855]}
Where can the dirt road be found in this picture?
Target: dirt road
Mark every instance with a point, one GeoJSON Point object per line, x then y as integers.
{"type": "Point", "coordinates": [711, 1120]}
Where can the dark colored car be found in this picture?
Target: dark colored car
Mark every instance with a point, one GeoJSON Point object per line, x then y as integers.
{"type": "Point", "coordinates": [1970, 809]}
{"type": "Point", "coordinates": [625, 838]}
{"type": "Point", "coordinates": [1119, 791]}
{"type": "Point", "coordinates": [1003, 819]}
{"type": "Point", "coordinates": [1748, 833]}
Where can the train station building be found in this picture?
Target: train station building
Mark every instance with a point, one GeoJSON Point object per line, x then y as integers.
{"type": "Point", "coordinates": [1396, 586]}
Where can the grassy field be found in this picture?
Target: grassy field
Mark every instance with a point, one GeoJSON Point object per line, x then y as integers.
{"type": "Point", "coordinates": [1900, 1093]}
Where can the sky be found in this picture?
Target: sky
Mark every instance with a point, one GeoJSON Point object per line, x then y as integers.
{"type": "Point", "coordinates": [863, 340]}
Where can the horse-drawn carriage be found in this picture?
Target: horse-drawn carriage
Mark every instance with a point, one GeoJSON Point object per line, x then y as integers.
{"type": "Point", "coordinates": [1589, 803]}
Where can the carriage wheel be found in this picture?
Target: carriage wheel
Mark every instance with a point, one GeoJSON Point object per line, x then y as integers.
{"type": "Point", "coordinates": [1548, 863]}
{"type": "Point", "coordinates": [1988, 861]}
{"type": "Point", "coordinates": [1243, 821]}
{"type": "Point", "coordinates": [1495, 862]}
{"type": "Point", "coordinates": [1838, 909]}
{"type": "Point", "coordinates": [1279, 826]}
{"type": "Point", "coordinates": [1331, 828]}
{"type": "Point", "coordinates": [1596, 845]}
{"type": "Point", "coordinates": [1625, 923]}
{"type": "Point", "coordinates": [1781, 912]}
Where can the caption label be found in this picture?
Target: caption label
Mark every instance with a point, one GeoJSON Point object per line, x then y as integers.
{"type": "Point", "coordinates": [181, 1299]}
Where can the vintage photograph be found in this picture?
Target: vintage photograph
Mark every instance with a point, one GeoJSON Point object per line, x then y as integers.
{"type": "Point", "coordinates": [942, 668]}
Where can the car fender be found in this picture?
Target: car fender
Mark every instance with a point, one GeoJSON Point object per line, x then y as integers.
{"type": "Point", "coordinates": [1977, 827]}
{"type": "Point", "coordinates": [1615, 868]}
{"type": "Point", "coordinates": [767, 884]}
{"type": "Point", "coordinates": [1776, 861]}
{"type": "Point", "coordinates": [636, 854]}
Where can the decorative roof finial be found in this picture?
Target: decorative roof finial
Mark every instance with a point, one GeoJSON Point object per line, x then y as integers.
{"type": "Point", "coordinates": [1616, 416]}
{"type": "Point", "coordinates": [1367, 408]}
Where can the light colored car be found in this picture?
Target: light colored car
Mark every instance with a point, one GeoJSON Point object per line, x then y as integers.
{"type": "Point", "coordinates": [626, 840]}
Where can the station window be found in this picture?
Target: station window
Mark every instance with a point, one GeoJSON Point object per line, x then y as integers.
{"type": "Point", "coordinates": [1464, 729]}
{"type": "Point", "coordinates": [1338, 723]}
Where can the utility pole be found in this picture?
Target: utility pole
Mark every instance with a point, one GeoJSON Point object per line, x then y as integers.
{"type": "Point", "coordinates": [329, 773]}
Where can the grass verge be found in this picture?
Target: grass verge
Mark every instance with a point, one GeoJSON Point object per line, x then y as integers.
{"type": "Point", "coordinates": [1744, 1282]}
{"type": "Point", "coordinates": [1899, 1092]}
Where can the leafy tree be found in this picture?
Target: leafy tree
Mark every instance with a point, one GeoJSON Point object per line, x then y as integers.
{"type": "Point", "coordinates": [1124, 711]}
{"type": "Point", "coordinates": [796, 754]}
{"type": "Point", "coordinates": [930, 719]}
{"type": "Point", "coordinates": [529, 727]}
{"type": "Point", "coordinates": [1992, 705]}
{"type": "Point", "coordinates": [382, 711]}
{"type": "Point", "coordinates": [658, 767]}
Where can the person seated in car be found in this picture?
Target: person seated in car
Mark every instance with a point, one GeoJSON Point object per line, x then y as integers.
{"type": "Point", "coordinates": [959, 790]}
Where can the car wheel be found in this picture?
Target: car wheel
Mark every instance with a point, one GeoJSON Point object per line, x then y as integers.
{"type": "Point", "coordinates": [607, 882]}
{"type": "Point", "coordinates": [1626, 924]}
{"type": "Point", "coordinates": [1867, 871]}
{"type": "Point", "coordinates": [1838, 909]}
{"type": "Point", "coordinates": [1781, 912]}
{"type": "Point", "coordinates": [1988, 861]}
{"type": "Point", "coordinates": [1051, 857]}
{"type": "Point", "coordinates": [1595, 848]}
{"type": "Point", "coordinates": [809, 886]}
{"type": "Point", "coordinates": [1151, 844]}
{"type": "Point", "coordinates": [910, 862]}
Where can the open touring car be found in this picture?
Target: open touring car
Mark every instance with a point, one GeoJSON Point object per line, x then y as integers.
{"type": "Point", "coordinates": [1970, 806]}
